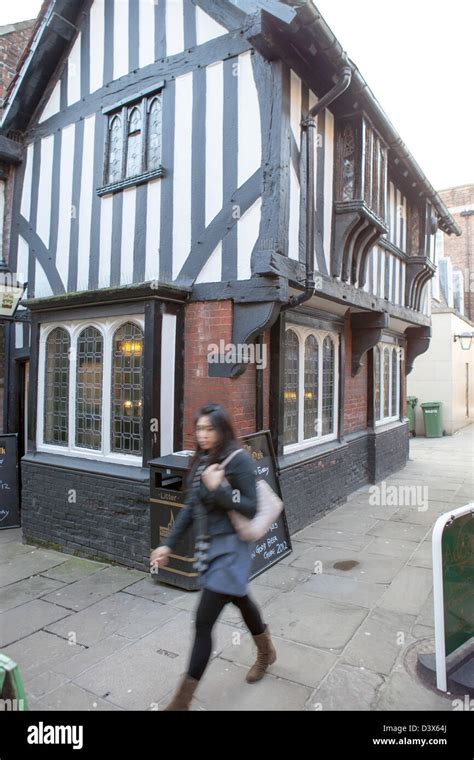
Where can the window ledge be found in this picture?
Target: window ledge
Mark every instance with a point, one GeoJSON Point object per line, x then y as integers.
{"type": "Point", "coordinates": [93, 466]}
{"type": "Point", "coordinates": [310, 452]}
{"type": "Point", "coordinates": [383, 427]}
{"type": "Point", "coordinates": [140, 179]}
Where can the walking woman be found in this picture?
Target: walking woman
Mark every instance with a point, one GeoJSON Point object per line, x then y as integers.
{"type": "Point", "coordinates": [222, 558]}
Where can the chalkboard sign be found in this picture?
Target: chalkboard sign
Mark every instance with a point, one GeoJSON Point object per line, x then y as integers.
{"type": "Point", "coordinates": [276, 544]}
{"type": "Point", "coordinates": [9, 492]}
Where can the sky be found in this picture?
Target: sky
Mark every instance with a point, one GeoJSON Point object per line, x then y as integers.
{"type": "Point", "coordinates": [415, 56]}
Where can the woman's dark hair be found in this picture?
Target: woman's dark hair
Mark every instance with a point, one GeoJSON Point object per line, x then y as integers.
{"type": "Point", "coordinates": [221, 421]}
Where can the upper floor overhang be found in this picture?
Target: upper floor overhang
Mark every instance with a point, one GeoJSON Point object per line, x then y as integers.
{"type": "Point", "coordinates": [297, 33]}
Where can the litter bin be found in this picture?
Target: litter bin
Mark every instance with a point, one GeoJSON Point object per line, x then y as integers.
{"type": "Point", "coordinates": [432, 419]}
{"type": "Point", "coordinates": [167, 481]}
{"type": "Point", "coordinates": [411, 414]}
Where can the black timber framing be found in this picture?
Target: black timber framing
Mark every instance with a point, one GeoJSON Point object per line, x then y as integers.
{"type": "Point", "coordinates": [418, 342]}
{"type": "Point", "coordinates": [273, 88]}
{"type": "Point", "coordinates": [222, 48]}
{"type": "Point", "coordinates": [178, 376]}
{"type": "Point", "coordinates": [277, 381]}
{"type": "Point", "coordinates": [122, 295]}
{"type": "Point", "coordinates": [34, 380]}
{"type": "Point", "coordinates": [367, 329]}
{"type": "Point", "coordinates": [151, 383]}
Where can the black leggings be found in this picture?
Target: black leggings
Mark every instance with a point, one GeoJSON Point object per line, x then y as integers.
{"type": "Point", "coordinates": [209, 609]}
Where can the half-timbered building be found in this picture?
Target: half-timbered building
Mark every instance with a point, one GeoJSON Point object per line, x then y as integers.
{"type": "Point", "coordinates": [198, 179]}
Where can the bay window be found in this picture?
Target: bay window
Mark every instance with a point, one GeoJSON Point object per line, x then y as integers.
{"type": "Point", "coordinates": [387, 382]}
{"type": "Point", "coordinates": [311, 386]}
{"type": "Point", "coordinates": [90, 399]}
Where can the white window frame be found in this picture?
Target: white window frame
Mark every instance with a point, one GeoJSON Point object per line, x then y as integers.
{"type": "Point", "coordinates": [391, 418]}
{"type": "Point", "coordinates": [107, 328]}
{"type": "Point", "coordinates": [303, 333]}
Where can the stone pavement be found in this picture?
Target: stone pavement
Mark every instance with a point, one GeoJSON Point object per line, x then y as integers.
{"type": "Point", "coordinates": [349, 610]}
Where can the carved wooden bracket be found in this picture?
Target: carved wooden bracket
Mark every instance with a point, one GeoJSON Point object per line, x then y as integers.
{"type": "Point", "coordinates": [367, 328]}
{"type": "Point", "coordinates": [357, 230]}
{"type": "Point", "coordinates": [418, 341]}
{"type": "Point", "coordinates": [249, 321]}
{"type": "Point", "coordinates": [419, 269]}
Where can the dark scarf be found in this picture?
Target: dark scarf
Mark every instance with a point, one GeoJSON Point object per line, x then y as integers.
{"type": "Point", "coordinates": [200, 517]}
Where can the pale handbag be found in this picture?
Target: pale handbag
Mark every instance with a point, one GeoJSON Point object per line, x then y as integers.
{"type": "Point", "coordinates": [269, 508]}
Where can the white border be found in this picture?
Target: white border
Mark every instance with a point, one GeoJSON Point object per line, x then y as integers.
{"type": "Point", "coordinates": [438, 594]}
{"type": "Point", "coordinates": [302, 334]}
{"type": "Point", "coordinates": [107, 328]}
{"type": "Point", "coordinates": [391, 347]}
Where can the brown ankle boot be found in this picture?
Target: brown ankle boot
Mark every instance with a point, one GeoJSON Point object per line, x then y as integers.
{"type": "Point", "coordinates": [183, 695]}
{"type": "Point", "coordinates": [266, 655]}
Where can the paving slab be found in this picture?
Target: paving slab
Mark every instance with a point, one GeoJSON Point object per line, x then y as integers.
{"type": "Point", "coordinates": [127, 615]}
{"type": "Point", "coordinates": [19, 622]}
{"type": "Point", "coordinates": [409, 590]}
{"type": "Point", "coordinates": [91, 589]}
{"type": "Point", "coordinates": [26, 590]}
{"type": "Point", "coordinates": [380, 640]}
{"type": "Point", "coordinates": [295, 662]}
{"type": "Point", "coordinates": [346, 688]}
{"type": "Point", "coordinates": [74, 569]}
{"type": "Point", "coordinates": [224, 689]}
{"type": "Point", "coordinates": [320, 623]}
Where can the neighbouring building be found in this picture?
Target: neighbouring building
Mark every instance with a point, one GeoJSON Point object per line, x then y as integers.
{"type": "Point", "coordinates": [445, 372]}
{"type": "Point", "coordinates": [172, 198]}
{"type": "Point", "coordinates": [13, 40]}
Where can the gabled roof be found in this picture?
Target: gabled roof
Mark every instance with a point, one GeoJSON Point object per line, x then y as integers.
{"type": "Point", "coordinates": [298, 23]}
{"type": "Point", "coordinates": [53, 31]}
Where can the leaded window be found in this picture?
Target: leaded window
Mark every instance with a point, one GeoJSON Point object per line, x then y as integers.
{"type": "Point", "coordinates": [395, 383]}
{"type": "Point", "coordinates": [387, 382]}
{"type": "Point", "coordinates": [127, 393]}
{"type": "Point", "coordinates": [89, 389]}
{"type": "Point", "coordinates": [134, 143]}
{"type": "Point", "coordinates": [311, 381]}
{"type": "Point", "coordinates": [377, 388]}
{"type": "Point", "coordinates": [115, 150]}
{"type": "Point", "coordinates": [291, 387]}
{"type": "Point", "coordinates": [56, 383]}
{"type": "Point", "coordinates": [328, 387]}
{"type": "Point", "coordinates": [154, 135]}
{"type": "Point", "coordinates": [311, 386]}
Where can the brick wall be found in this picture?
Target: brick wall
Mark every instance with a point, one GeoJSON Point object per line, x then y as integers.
{"type": "Point", "coordinates": [207, 323]}
{"type": "Point", "coordinates": [13, 40]}
{"type": "Point", "coordinates": [388, 452]}
{"type": "Point", "coordinates": [355, 410]}
{"type": "Point", "coordinates": [312, 488]}
{"type": "Point", "coordinates": [461, 249]}
{"type": "Point", "coordinates": [109, 519]}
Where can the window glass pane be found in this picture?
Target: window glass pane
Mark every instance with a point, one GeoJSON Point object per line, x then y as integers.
{"type": "Point", "coordinates": [328, 386]}
{"type": "Point", "coordinates": [115, 150]}
{"type": "Point", "coordinates": [395, 382]}
{"type": "Point", "coordinates": [377, 382]}
{"type": "Point", "coordinates": [89, 389]}
{"type": "Point", "coordinates": [290, 427]}
{"type": "Point", "coordinates": [56, 388]}
{"type": "Point", "coordinates": [386, 382]}
{"type": "Point", "coordinates": [154, 135]}
{"type": "Point", "coordinates": [134, 147]}
{"type": "Point", "coordinates": [127, 393]}
{"type": "Point", "coordinates": [311, 372]}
